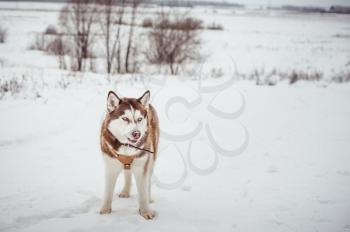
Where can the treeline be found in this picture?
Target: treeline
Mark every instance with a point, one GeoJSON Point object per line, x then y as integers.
{"type": "Point", "coordinates": [163, 3]}
{"type": "Point", "coordinates": [113, 31]}
{"type": "Point", "coordinates": [303, 9]}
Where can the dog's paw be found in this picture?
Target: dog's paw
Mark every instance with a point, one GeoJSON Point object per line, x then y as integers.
{"type": "Point", "coordinates": [147, 214]}
{"type": "Point", "coordinates": [124, 195]}
{"type": "Point", "coordinates": [105, 210]}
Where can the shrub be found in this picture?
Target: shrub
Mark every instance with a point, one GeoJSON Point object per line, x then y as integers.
{"type": "Point", "coordinates": [295, 76]}
{"type": "Point", "coordinates": [38, 43]}
{"type": "Point", "coordinates": [183, 24]}
{"type": "Point", "coordinates": [3, 34]}
{"type": "Point", "coordinates": [50, 30]}
{"type": "Point", "coordinates": [147, 22]}
{"type": "Point", "coordinates": [272, 77]}
{"type": "Point", "coordinates": [215, 26]}
{"type": "Point", "coordinates": [173, 41]}
{"type": "Point", "coordinates": [59, 48]}
{"type": "Point", "coordinates": [342, 77]}
{"type": "Point", "coordinates": [12, 87]}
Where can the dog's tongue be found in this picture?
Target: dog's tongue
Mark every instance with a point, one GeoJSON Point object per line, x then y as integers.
{"type": "Point", "coordinates": [133, 141]}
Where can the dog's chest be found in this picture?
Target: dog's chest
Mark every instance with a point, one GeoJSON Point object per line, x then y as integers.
{"type": "Point", "coordinates": [127, 150]}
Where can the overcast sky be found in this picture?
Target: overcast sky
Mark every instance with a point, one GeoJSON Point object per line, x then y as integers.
{"type": "Point", "coordinates": [325, 3]}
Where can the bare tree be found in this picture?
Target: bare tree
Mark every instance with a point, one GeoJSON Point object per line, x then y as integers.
{"type": "Point", "coordinates": [135, 5]}
{"type": "Point", "coordinates": [173, 40]}
{"type": "Point", "coordinates": [59, 48]}
{"type": "Point", "coordinates": [76, 20]}
{"type": "Point", "coordinates": [111, 18]}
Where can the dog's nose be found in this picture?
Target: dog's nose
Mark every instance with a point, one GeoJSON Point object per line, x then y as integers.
{"type": "Point", "coordinates": [136, 134]}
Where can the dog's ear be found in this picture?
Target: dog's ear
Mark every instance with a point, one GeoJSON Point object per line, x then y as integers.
{"type": "Point", "coordinates": [144, 99]}
{"type": "Point", "coordinates": [112, 101]}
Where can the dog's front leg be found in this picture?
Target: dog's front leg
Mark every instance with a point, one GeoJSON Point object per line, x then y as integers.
{"type": "Point", "coordinates": [111, 173]}
{"type": "Point", "coordinates": [127, 184]}
{"type": "Point", "coordinates": [142, 181]}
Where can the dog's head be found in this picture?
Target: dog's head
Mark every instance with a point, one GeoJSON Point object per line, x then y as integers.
{"type": "Point", "coordinates": [128, 117]}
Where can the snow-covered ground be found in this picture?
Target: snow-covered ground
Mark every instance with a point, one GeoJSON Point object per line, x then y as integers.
{"type": "Point", "coordinates": [293, 176]}
{"type": "Point", "coordinates": [289, 165]}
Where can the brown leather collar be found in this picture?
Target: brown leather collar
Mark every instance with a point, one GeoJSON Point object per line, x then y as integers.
{"type": "Point", "coordinates": [126, 160]}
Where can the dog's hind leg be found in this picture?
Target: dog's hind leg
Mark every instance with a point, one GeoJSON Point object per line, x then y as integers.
{"type": "Point", "coordinates": [127, 184]}
{"type": "Point", "coordinates": [149, 177]}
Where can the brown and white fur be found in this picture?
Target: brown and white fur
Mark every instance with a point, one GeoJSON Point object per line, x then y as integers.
{"type": "Point", "coordinates": [129, 121]}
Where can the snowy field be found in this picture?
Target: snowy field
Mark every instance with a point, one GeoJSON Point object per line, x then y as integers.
{"type": "Point", "coordinates": [234, 156]}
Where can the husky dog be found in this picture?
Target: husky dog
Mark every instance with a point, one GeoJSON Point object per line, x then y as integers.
{"type": "Point", "coordinates": [129, 140]}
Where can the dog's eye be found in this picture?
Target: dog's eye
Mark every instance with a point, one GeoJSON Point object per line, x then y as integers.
{"type": "Point", "coordinates": [139, 119]}
{"type": "Point", "coordinates": [125, 119]}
